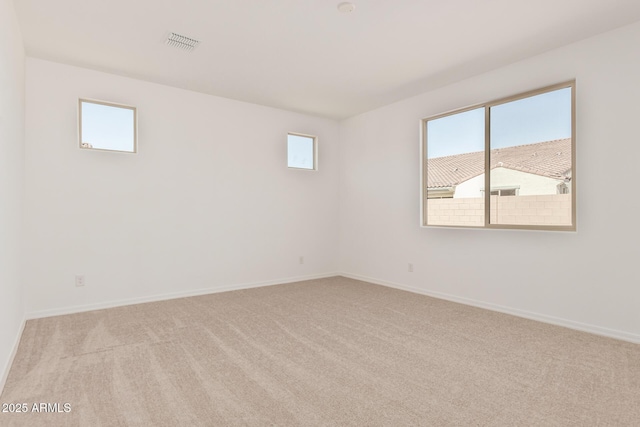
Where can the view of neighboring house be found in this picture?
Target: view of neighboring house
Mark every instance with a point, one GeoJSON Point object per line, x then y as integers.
{"type": "Point", "coordinates": [540, 174]}
{"type": "Point", "coordinates": [542, 168]}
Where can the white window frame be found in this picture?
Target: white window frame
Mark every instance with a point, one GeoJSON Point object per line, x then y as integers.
{"type": "Point", "coordinates": [487, 174]}
{"type": "Point", "coordinates": [315, 151]}
{"type": "Point", "coordinates": [108, 104]}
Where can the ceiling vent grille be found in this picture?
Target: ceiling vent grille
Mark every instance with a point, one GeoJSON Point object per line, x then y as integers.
{"type": "Point", "coordinates": [182, 42]}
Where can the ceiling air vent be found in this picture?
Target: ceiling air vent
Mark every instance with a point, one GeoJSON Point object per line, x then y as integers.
{"type": "Point", "coordinates": [182, 42]}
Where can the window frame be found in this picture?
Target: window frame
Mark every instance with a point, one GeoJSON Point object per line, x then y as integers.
{"type": "Point", "coordinates": [315, 151]}
{"type": "Point", "coordinates": [108, 104]}
{"type": "Point", "coordinates": [487, 160]}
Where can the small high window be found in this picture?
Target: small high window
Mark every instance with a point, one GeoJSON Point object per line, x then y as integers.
{"type": "Point", "coordinates": [107, 126]}
{"type": "Point", "coordinates": [302, 151]}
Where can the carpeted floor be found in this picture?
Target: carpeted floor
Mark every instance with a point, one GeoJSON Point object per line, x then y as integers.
{"type": "Point", "coordinates": [324, 352]}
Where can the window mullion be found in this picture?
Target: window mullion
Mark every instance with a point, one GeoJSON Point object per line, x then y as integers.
{"type": "Point", "coordinates": [487, 166]}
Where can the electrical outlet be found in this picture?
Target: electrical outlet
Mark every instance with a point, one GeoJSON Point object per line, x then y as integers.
{"type": "Point", "coordinates": [79, 281]}
{"type": "Point", "coordinates": [410, 268]}
{"type": "Point", "coordinates": [301, 260]}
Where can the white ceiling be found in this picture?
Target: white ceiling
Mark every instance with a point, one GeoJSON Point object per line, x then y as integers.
{"type": "Point", "coordinates": [303, 55]}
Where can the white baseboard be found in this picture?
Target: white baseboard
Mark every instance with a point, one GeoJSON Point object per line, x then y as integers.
{"type": "Point", "coordinates": [171, 295]}
{"type": "Point", "coordinates": [598, 330]}
{"type": "Point", "coordinates": [7, 368]}
{"type": "Point", "coordinates": [584, 327]}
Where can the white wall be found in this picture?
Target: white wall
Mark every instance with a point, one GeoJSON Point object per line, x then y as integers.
{"type": "Point", "coordinates": [207, 204]}
{"type": "Point", "coordinates": [11, 183]}
{"type": "Point", "coordinates": [588, 279]}
{"type": "Point", "coordinates": [470, 188]}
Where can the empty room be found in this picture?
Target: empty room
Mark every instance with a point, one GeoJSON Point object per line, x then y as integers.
{"type": "Point", "coordinates": [319, 213]}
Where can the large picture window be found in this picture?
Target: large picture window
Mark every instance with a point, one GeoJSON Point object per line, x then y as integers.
{"type": "Point", "coordinates": [508, 163]}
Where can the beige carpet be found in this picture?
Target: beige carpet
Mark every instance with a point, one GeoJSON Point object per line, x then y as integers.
{"type": "Point", "coordinates": [324, 352]}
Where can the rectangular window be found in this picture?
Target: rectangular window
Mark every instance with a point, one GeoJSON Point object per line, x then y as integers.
{"type": "Point", "coordinates": [522, 148]}
{"type": "Point", "coordinates": [504, 191]}
{"type": "Point", "coordinates": [302, 151]}
{"type": "Point", "coordinates": [107, 126]}
{"type": "Point", "coordinates": [455, 163]}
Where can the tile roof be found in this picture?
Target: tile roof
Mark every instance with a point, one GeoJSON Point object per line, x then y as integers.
{"type": "Point", "coordinates": [550, 158]}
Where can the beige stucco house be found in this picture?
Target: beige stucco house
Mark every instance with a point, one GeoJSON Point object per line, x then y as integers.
{"type": "Point", "coordinates": [542, 168]}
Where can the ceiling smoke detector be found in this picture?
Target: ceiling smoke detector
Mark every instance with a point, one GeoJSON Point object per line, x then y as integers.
{"type": "Point", "coordinates": [182, 42]}
{"type": "Point", "coordinates": [346, 7]}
